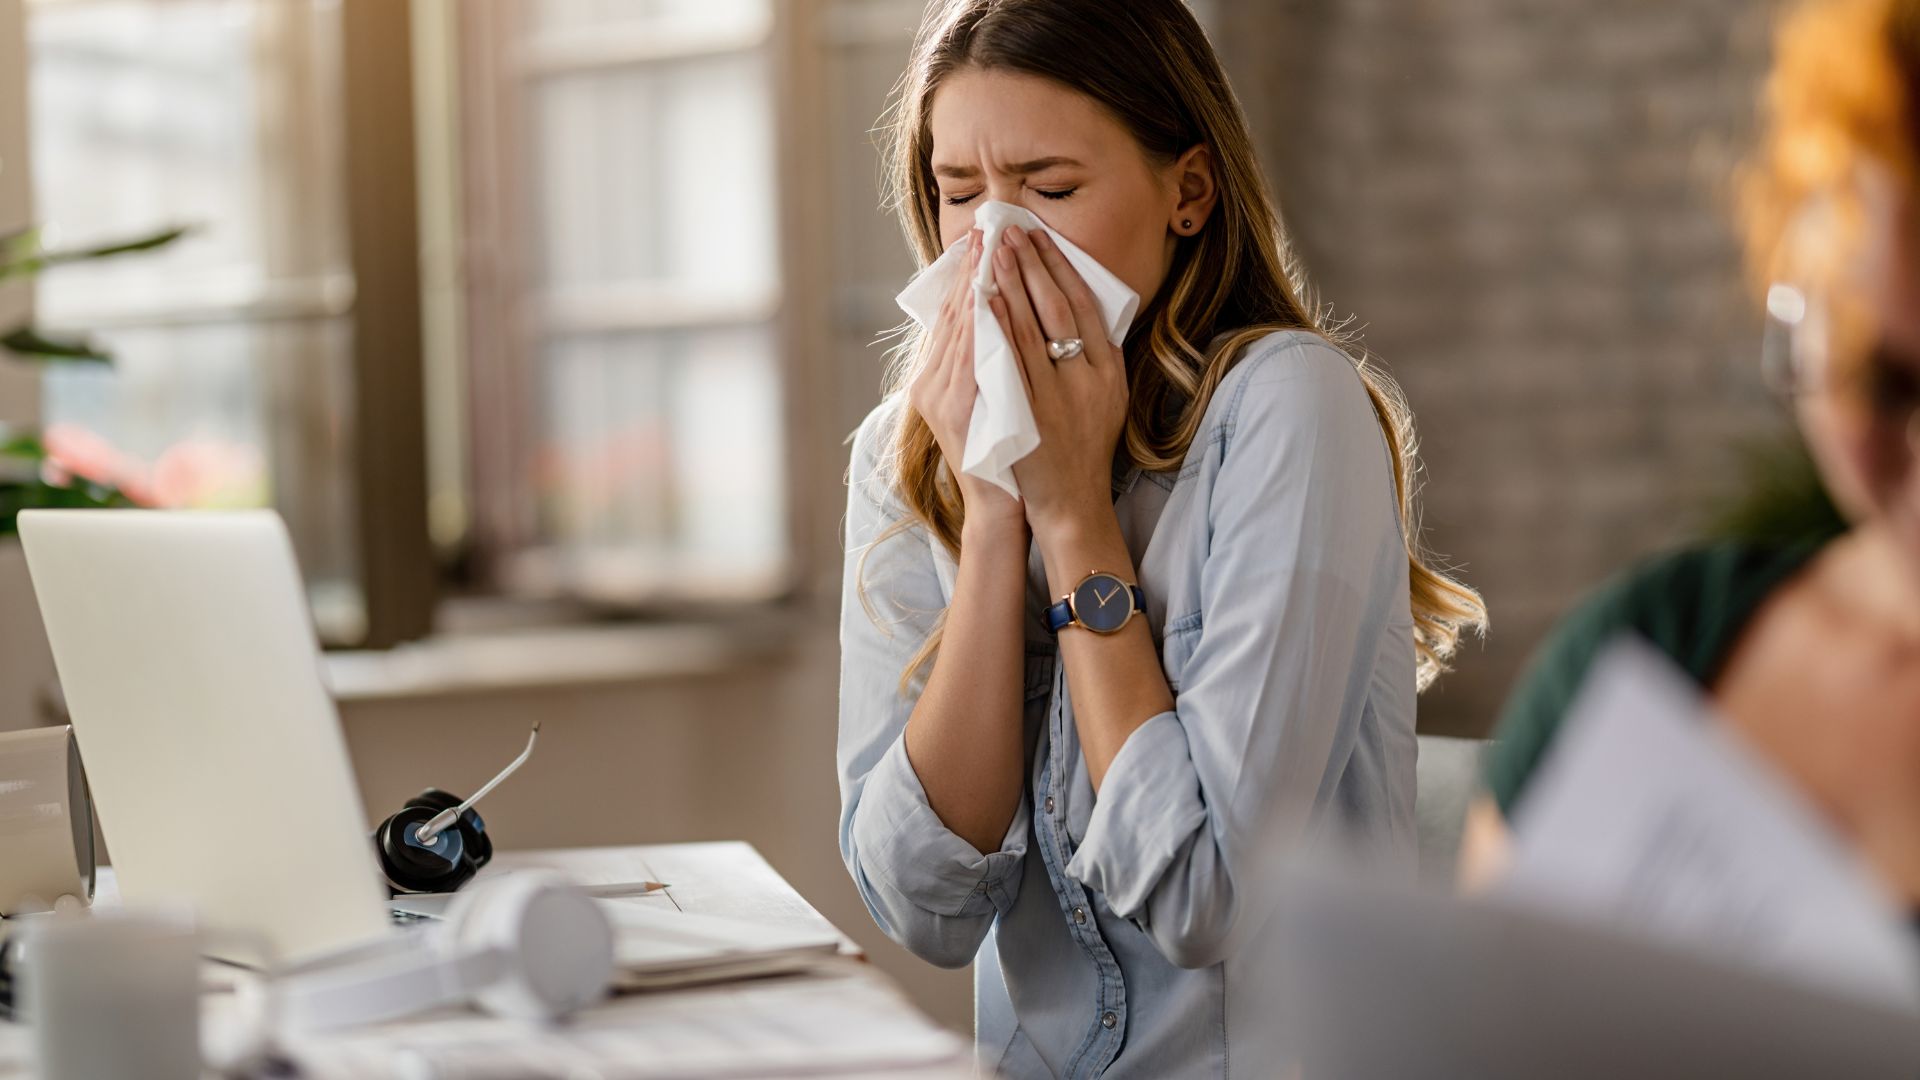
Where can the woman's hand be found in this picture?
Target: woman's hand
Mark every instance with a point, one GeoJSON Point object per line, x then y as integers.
{"type": "Point", "coordinates": [943, 394]}
{"type": "Point", "coordinates": [1080, 403]}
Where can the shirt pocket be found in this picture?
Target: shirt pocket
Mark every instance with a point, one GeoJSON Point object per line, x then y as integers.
{"type": "Point", "coordinates": [1176, 647]}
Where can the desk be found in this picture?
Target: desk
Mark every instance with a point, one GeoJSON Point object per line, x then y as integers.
{"type": "Point", "coordinates": [754, 1028]}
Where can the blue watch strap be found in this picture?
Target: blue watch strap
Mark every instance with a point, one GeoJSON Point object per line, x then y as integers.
{"type": "Point", "coordinates": [1059, 617]}
{"type": "Point", "coordinates": [1060, 614]}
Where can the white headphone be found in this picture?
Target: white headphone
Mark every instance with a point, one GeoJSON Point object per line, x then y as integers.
{"type": "Point", "coordinates": [528, 945]}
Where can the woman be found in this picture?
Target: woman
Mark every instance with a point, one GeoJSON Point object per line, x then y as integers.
{"type": "Point", "coordinates": [1809, 647]}
{"type": "Point", "coordinates": [1245, 475]}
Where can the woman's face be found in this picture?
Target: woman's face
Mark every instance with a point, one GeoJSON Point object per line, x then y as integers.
{"type": "Point", "coordinates": [1864, 432]}
{"type": "Point", "coordinates": [1032, 142]}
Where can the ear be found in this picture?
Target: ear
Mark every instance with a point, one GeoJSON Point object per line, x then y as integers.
{"type": "Point", "coordinates": [1195, 188]}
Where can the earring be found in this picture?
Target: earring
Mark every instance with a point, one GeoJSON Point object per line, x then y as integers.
{"type": "Point", "coordinates": [1186, 223]}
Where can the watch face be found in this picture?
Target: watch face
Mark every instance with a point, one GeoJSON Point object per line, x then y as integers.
{"type": "Point", "coordinates": [1102, 603]}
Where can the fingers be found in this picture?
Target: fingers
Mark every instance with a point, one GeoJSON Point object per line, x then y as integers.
{"type": "Point", "coordinates": [1022, 325]}
{"type": "Point", "coordinates": [960, 365]}
{"type": "Point", "coordinates": [1080, 298]}
{"type": "Point", "coordinates": [956, 315]}
{"type": "Point", "coordinates": [1050, 305]}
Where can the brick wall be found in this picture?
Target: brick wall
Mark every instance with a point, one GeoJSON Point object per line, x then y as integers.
{"type": "Point", "coordinates": [1524, 207]}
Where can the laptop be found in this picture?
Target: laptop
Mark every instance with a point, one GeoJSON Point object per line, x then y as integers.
{"type": "Point", "coordinates": [219, 773]}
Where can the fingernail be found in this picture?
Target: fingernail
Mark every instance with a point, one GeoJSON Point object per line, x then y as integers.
{"type": "Point", "coordinates": [1004, 258]}
{"type": "Point", "coordinates": [1016, 234]}
{"type": "Point", "coordinates": [1042, 240]}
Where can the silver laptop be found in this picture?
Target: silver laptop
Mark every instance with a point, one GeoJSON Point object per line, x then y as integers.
{"type": "Point", "coordinates": [219, 772]}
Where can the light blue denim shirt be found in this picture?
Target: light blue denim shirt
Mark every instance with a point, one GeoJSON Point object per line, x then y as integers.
{"type": "Point", "coordinates": [1120, 935]}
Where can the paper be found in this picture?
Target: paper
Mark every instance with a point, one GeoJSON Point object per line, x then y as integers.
{"type": "Point", "coordinates": [657, 946]}
{"type": "Point", "coordinates": [1378, 981]}
{"type": "Point", "coordinates": [1649, 814]}
{"type": "Point", "coordinates": [840, 1024]}
{"type": "Point", "coordinates": [1002, 430]}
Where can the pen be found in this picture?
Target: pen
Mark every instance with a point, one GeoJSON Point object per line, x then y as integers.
{"type": "Point", "coordinates": [623, 888]}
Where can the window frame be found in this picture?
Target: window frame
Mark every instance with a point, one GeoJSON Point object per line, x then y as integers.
{"type": "Point", "coordinates": [504, 328]}
{"type": "Point", "coordinates": [378, 296]}
{"type": "Point", "coordinates": [407, 583]}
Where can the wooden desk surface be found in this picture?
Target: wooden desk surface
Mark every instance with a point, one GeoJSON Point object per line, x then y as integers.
{"type": "Point", "coordinates": [727, 879]}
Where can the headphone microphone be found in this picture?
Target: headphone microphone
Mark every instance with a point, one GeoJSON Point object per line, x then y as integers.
{"type": "Point", "coordinates": [437, 842]}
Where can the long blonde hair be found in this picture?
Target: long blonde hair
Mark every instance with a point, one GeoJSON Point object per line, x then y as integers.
{"type": "Point", "coordinates": [1150, 65]}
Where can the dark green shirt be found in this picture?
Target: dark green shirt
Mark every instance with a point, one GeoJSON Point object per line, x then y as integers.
{"type": "Point", "coordinates": [1691, 605]}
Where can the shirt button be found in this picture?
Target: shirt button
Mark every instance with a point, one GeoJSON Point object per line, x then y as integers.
{"type": "Point", "coordinates": [1080, 919]}
{"type": "Point", "coordinates": [1108, 1020]}
{"type": "Point", "coordinates": [1049, 804]}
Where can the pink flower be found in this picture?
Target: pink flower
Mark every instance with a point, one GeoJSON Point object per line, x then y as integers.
{"type": "Point", "coordinates": [73, 451]}
{"type": "Point", "coordinates": [202, 472]}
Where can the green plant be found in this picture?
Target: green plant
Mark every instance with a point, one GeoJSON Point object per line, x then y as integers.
{"type": "Point", "coordinates": [29, 478]}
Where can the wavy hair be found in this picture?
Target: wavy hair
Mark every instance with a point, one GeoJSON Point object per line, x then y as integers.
{"type": "Point", "coordinates": [1150, 65]}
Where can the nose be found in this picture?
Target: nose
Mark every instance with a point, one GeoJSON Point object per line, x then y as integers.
{"type": "Point", "coordinates": [1004, 189]}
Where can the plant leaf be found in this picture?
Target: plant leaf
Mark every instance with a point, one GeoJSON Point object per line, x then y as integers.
{"type": "Point", "coordinates": [26, 446]}
{"type": "Point", "coordinates": [38, 495]}
{"type": "Point", "coordinates": [19, 243]}
{"type": "Point", "coordinates": [22, 256]}
{"type": "Point", "coordinates": [31, 343]}
{"type": "Point", "coordinates": [121, 247]}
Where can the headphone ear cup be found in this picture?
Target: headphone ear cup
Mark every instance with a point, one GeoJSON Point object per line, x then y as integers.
{"type": "Point", "coordinates": [555, 943]}
{"type": "Point", "coordinates": [411, 866]}
{"type": "Point", "coordinates": [473, 828]}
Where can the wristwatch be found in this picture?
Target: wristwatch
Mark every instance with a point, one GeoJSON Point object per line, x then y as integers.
{"type": "Point", "coordinates": [1101, 603]}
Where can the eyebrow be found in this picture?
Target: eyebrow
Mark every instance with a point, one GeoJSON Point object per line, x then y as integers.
{"type": "Point", "coordinates": [968, 172]}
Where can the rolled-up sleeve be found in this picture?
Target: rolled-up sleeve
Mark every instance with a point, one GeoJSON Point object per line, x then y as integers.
{"type": "Point", "coordinates": [927, 888]}
{"type": "Point", "coordinates": [1298, 581]}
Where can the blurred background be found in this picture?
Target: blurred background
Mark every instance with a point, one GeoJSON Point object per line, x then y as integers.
{"type": "Point", "coordinates": [543, 323]}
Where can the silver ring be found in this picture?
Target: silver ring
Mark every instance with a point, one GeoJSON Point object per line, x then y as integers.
{"type": "Point", "coordinates": [1065, 348]}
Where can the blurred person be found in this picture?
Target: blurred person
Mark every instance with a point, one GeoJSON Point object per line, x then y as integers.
{"type": "Point", "coordinates": [1091, 818]}
{"type": "Point", "coordinates": [1808, 646]}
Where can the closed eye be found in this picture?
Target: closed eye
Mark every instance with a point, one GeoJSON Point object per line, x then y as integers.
{"type": "Point", "coordinates": [1056, 194]}
{"type": "Point", "coordinates": [960, 200]}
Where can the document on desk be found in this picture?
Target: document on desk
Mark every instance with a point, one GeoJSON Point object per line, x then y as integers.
{"type": "Point", "coordinates": [1648, 814]}
{"type": "Point", "coordinates": [656, 946]}
{"type": "Point", "coordinates": [826, 1024]}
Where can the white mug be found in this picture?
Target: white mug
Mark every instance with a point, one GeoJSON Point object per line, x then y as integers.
{"type": "Point", "coordinates": [112, 994]}
{"type": "Point", "coordinates": [46, 821]}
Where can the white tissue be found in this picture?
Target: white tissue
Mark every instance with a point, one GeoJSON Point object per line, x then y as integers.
{"type": "Point", "coordinates": [1002, 429]}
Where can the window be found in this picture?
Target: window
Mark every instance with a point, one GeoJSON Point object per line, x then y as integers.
{"type": "Point", "coordinates": [626, 296]}
{"type": "Point", "coordinates": [605, 348]}
{"type": "Point", "coordinates": [243, 352]}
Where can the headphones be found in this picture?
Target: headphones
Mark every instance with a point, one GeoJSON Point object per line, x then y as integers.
{"type": "Point", "coordinates": [437, 842]}
{"type": "Point", "coordinates": [528, 945]}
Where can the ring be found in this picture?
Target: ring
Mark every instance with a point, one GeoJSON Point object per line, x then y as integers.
{"type": "Point", "coordinates": [1065, 348]}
